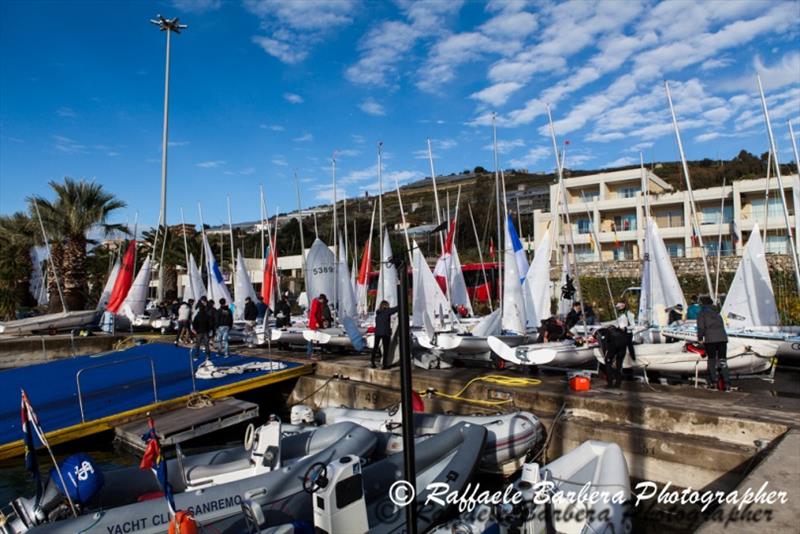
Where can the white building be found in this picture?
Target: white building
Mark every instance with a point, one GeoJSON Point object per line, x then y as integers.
{"type": "Point", "coordinates": [611, 206]}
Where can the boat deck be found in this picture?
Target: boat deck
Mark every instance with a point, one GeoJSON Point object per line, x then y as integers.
{"type": "Point", "coordinates": [77, 397]}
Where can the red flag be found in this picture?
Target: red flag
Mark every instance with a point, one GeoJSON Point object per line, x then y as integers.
{"type": "Point", "coordinates": [695, 238]}
{"type": "Point", "coordinates": [124, 279]}
{"type": "Point", "coordinates": [448, 243]}
{"type": "Point", "coordinates": [491, 248]}
{"type": "Point", "coordinates": [268, 285]}
{"type": "Point", "coordinates": [366, 261]}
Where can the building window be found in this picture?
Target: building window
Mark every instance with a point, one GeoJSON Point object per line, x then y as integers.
{"type": "Point", "coordinates": [777, 244]}
{"type": "Point", "coordinates": [624, 223]}
{"type": "Point", "coordinates": [713, 215]}
{"type": "Point", "coordinates": [624, 252]}
{"type": "Point", "coordinates": [628, 192]}
{"type": "Point", "coordinates": [670, 219]}
{"type": "Point", "coordinates": [675, 250]}
{"type": "Point", "coordinates": [775, 208]}
{"type": "Point", "coordinates": [726, 250]}
{"type": "Point", "coordinates": [584, 253]}
{"type": "Point", "coordinates": [583, 226]}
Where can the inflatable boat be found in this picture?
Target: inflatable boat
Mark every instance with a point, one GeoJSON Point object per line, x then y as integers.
{"type": "Point", "coordinates": [565, 353]}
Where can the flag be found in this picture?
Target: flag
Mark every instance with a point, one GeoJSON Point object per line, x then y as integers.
{"type": "Point", "coordinates": [443, 269]}
{"type": "Point", "coordinates": [592, 243]}
{"type": "Point", "coordinates": [617, 244]}
{"type": "Point", "coordinates": [441, 227]}
{"type": "Point", "coordinates": [491, 248]}
{"type": "Point", "coordinates": [154, 460]}
{"type": "Point", "coordinates": [519, 252]}
{"type": "Point", "coordinates": [268, 282]}
{"type": "Point", "coordinates": [124, 280]}
{"type": "Point", "coordinates": [695, 238]}
{"type": "Point", "coordinates": [31, 461]}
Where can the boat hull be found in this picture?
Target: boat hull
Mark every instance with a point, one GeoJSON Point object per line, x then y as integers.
{"type": "Point", "coordinates": [44, 323]}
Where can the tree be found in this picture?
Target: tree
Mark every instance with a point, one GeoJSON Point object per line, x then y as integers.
{"type": "Point", "coordinates": [79, 207]}
{"type": "Point", "coordinates": [16, 240]}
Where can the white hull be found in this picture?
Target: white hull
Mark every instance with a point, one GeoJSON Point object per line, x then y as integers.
{"type": "Point", "coordinates": [744, 357]}
{"type": "Point", "coordinates": [557, 353]}
{"type": "Point", "coordinates": [43, 323]}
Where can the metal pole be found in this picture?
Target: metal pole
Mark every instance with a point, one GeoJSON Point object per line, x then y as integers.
{"type": "Point", "coordinates": [186, 255]}
{"type": "Point", "coordinates": [794, 147]}
{"type": "Point", "coordinates": [409, 462]}
{"type": "Point", "coordinates": [233, 252]}
{"type": "Point", "coordinates": [719, 240]}
{"type": "Point", "coordinates": [497, 200]}
{"type": "Point", "coordinates": [692, 204]}
{"type": "Point", "coordinates": [382, 277]}
{"type": "Point", "coordinates": [403, 218]}
{"type": "Point", "coordinates": [766, 197]}
{"type": "Point", "coordinates": [774, 149]}
{"type": "Point", "coordinates": [335, 239]}
{"type": "Point", "coordinates": [480, 257]}
{"type": "Point", "coordinates": [163, 218]}
{"type": "Point", "coordinates": [438, 223]}
{"type": "Point", "coordinates": [50, 255]}
{"type": "Point", "coordinates": [646, 257]}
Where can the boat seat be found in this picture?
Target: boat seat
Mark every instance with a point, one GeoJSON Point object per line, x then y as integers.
{"type": "Point", "coordinates": [200, 472]}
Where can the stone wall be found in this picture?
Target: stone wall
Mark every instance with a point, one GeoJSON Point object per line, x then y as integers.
{"type": "Point", "coordinates": [683, 266]}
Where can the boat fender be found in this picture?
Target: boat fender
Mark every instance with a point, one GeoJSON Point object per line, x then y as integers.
{"type": "Point", "coordinates": [300, 414]}
{"type": "Point", "coordinates": [530, 473]}
{"type": "Point", "coordinates": [183, 523]}
{"type": "Point", "coordinates": [249, 437]}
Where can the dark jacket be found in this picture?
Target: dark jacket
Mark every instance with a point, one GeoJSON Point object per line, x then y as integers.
{"type": "Point", "coordinates": [250, 311]}
{"type": "Point", "coordinates": [201, 323]}
{"type": "Point", "coordinates": [262, 309]}
{"type": "Point", "coordinates": [383, 321]}
{"type": "Point", "coordinates": [710, 327]}
{"type": "Point", "coordinates": [283, 313]}
{"type": "Point", "coordinates": [573, 318]}
{"type": "Point", "coordinates": [224, 317]}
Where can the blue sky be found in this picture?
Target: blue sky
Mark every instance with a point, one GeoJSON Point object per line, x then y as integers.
{"type": "Point", "coordinates": [261, 89]}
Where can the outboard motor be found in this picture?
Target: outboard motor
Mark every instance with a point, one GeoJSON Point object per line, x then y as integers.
{"type": "Point", "coordinates": [265, 451]}
{"type": "Point", "coordinates": [301, 414]}
{"type": "Point", "coordinates": [82, 480]}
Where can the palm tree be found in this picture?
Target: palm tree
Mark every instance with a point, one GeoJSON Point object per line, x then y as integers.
{"type": "Point", "coordinates": [79, 207]}
{"type": "Point", "coordinates": [16, 240]}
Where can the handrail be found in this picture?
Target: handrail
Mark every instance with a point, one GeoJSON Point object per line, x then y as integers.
{"type": "Point", "coordinates": [108, 364]}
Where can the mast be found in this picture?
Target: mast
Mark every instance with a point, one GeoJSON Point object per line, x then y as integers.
{"type": "Point", "coordinates": [382, 278]}
{"type": "Point", "coordinates": [335, 236]}
{"type": "Point", "coordinates": [50, 255]}
{"type": "Point", "coordinates": [774, 149]}
{"type": "Point", "coordinates": [497, 201]}
{"type": "Point", "coordinates": [766, 196]}
{"type": "Point", "coordinates": [480, 257]}
{"type": "Point", "coordinates": [560, 167]}
{"type": "Point", "coordinates": [300, 223]}
{"type": "Point", "coordinates": [403, 219]}
{"type": "Point", "coordinates": [688, 179]}
{"type": "Point", "coordinates": [346, 242]}
{"type": "Point", "coordinates": [233, 252]}
{"type": "Point", "coordinates": [435, 195]}
{"type": "Point", "coordinates": [203, 234]}
{"type": "Point", "coordinates": [646, 257]}
{"type": "Point", "coordinates": [261, 229]}
{"type": "Point", "coordinates": [186, 254]}
{"type": "Point", "coordinates": [719, 239]}
{"type": "Point", "coordinates": [794, 147]}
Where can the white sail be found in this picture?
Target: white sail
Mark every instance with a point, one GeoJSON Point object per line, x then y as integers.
{"type": "Point", "coordinates": [660, 287]}
{"type": "Point", "coordinates": [194, 287]}
{"type": "Point", "coordinates": [387, 279]}
{"type": "Point", "coordinates": [750, 300]}
{"type": "Point", "coordinates": [344, 288]}
{"type": "Point", "coordinates": [216, 289]}
{"type": "Point", "coordinates": [489, 325]}
{"type": "Point", "coordinates": [134, 303]}
{"type": "Point", "coordinates": [109, 287]}
{"type": "Point", "coordinates": [38, 282]}
{"type": "Point", "coordinates": [458, 286]}
{"type": "Point", "coordinates": [537, 288]}
{"type": "Point", "coordinates": [427, 298]}
{"type": "Point", "coordinates": [242, 288]}
{"type": "Point", "coordinates": [320, 271]}
{"type": "Point", "coordinates": [513, 304]}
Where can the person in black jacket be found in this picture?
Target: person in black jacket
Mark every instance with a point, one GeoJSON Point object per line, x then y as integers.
{"type": "Point", "coordinates": [224, 324]}
{"type": "Point", "coordinates": [283, 312]}
{"type": "Point", "coordinates": [250, 316]}
{"type": "Point", "coordinates": [201, 326]}
{"type": "Point", "coordinates": [383, 333]}
{"type": "Point", "coordinates": [711, 332]}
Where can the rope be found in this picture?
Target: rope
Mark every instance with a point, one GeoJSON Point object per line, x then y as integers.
{"type": "Point", "coordinates": [501, 380]}
{"type": "Point", "coordinates": [198, 401]}
{"type": "Point", "coordinates": [301, 401]}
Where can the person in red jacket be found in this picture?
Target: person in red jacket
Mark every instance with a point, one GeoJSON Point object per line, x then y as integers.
{"type": "Point", "coordinates": [316, 318]}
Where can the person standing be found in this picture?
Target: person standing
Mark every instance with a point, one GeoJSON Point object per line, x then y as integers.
{"type": "Point", "coordinates": [626, 322]}
{"type": "Point", "coordinates": [202, 326]}
{"type": "Point", "coordinates": [711, 333]}
{"type": "Point", "coordinates": [224, 324]}
{"type": "Point", "coordinates": [184, 314]}
{"type": "Point", "coordinates": [211, 311]}
{"type": "Point", "coordinates": [693, 310]}
{"type": "Point", "coordinates": [262, 308]}
{"type": "Point", "coordinates": [316, 318]}
{"type": "Point", "coordinates": [383, 334]}
{"type": "Point", "coordinates": [283, 312]}
{"type": "Point", "coordinates": [250, 317]}
{"type": "Point", "coordinates": [574, 316]}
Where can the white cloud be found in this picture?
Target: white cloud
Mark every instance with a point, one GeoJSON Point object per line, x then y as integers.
{"type": "Point", "coordinates": [716, 63]}
{"type": "Point", "coordinates": [173, 144]}
{"type": "Point", "coordinates": [621, 162]}
{"type": "Point", "coordinates": [66, 112]}
{"type": "Point", "coordinates": [371, 107]}
{"type": "Point", "coordinates": [306, 137]}
{"type": "Point", "coordinates": [279, 161]}
{"type": "Point", "coordinates": [68, 146]}
{"type": "Point", "coordinates": [210, 164]}
{"type": "Point", "coordinates": [348, 153]}
{"type": "Point", "coordinates": [247, 171]}
{"type": "Point", "coordinates": [293, 28]}
{"type": "Point", "coordinates": [498, 94]}
{"type": "Point", "coordinates": [358, 139]}
{"type": "Point", "coordinates": [293, 98]}
{"type": "Point", "coordinates": [273, 127]}
{"type": "Point", "coordinates": [505, 146]}
{"type": "Point", "coordinates": [534, 156]}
